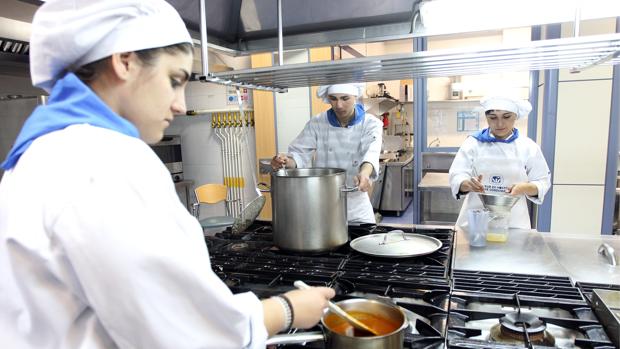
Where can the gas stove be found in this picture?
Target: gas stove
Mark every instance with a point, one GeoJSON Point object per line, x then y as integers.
{"type": "Point", "coordinates": [445, 308]}
{"type": "Point", "coordinates": [420, 285]}
{"type": "Point", "coordinates": [497, 310]}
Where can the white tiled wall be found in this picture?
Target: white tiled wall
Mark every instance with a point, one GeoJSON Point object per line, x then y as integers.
{"type": "Point", "coordinates": [202, 156]}
{"type": "Point", "coordinates": [293, 107]}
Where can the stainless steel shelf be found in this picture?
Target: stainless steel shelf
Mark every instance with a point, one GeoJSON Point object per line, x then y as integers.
{"type": "Point", "coordinates": [573, 53]}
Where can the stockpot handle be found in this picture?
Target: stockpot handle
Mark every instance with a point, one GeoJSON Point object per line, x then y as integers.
{"type": "Point", "coordinates": [346, 189]}
{"type": "Point", "coordinates": [296, 338]}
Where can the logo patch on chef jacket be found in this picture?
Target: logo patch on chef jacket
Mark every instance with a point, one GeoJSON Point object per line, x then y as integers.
{"type": "Point", "coordinates": [496, 179]}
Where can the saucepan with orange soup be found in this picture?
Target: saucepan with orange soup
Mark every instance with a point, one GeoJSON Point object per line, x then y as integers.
{"type": "Point", "coordinates": [386, 319]}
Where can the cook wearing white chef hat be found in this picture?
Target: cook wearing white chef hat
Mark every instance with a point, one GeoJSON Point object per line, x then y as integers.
{"type": "Point", "coordinates": [346, 137]}
{"type": "Point", "coordinates": [77, 36]}
{"type": "Point", "coordinates": [349, 89]}
{"type": "Point", "coordinates": [69, 34]}
{"type": "Point", "coordinates": [499, 159]}
{"type": "Point", "coordinates": [502, 111]}
{"type": "Point", "coordinates": [504, 102]}
{"type": "Point", "coordinates": [109, 257]}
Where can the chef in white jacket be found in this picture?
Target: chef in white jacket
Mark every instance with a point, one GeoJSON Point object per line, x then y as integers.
{"type": "Point", "coordinates": [499, 159]}
{"type": "Point", "coordinates": [346, 137]}
{"type": "Point", "coordinates": [96, 249]}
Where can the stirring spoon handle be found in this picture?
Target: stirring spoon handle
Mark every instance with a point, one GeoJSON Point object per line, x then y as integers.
{"type": "Point", "coordinates": [338, 310]}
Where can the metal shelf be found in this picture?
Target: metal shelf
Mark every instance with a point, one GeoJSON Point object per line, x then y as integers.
{"type": "Point", "coordinates": [573, 53]}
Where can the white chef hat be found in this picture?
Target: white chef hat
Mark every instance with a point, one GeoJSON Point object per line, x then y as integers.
{"type": "Point", "coordinates": [350, 89]}
{"type": "Point", "coordinates": [69, 34]}
{"type": "Point", "coordinates": [504, 102]}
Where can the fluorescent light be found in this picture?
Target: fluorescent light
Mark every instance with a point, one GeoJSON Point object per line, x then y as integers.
{"type": "Point", "coordinates": [458, 16]}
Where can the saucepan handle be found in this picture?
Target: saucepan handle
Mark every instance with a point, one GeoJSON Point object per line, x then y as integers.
{"type": "Point", "coordinates": [296, 338]}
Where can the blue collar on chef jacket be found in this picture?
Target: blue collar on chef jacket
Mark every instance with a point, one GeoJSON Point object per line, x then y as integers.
{"type": "Point", "coordinates": [71, 102]}
{"type": "Point", "coordinates": [359, 116]}
{"type": "Point", "coordinates": [486, 137]}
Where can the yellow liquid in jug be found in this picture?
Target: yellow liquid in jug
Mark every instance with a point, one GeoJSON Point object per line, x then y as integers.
{"type": "Point", "coordinates": [497, 237]}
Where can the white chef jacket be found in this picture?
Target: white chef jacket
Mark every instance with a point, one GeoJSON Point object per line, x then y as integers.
{"type": "Point", "coordinates": [97, 251]}
{"type": "Point", "coordinates": [342, 147]}
{"type": "Point", "coordinates": [522, 160]}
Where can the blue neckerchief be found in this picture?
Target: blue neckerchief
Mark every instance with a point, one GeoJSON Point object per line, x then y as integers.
{"type": "Point", "coordinates": [359, 116]}
{"type": "Point", "coordinates": [71, 102]}
{"type": "Point", "coordinates": [485, 137]}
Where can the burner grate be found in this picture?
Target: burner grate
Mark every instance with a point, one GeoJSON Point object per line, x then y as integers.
{"type": "Point", "coordinates": [253, 252]}
{"type": "Point", "coordinates": [587, 287]}
{"type": "Point", "coordinates": [543, 286]}
{"type": "Point", "coordinates": [475, 320]}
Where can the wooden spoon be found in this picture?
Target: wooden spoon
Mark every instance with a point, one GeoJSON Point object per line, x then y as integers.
{"type": "Point", "coordinates": [340, 312]}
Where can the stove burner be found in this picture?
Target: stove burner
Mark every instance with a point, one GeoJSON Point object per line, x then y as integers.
{"type": "Point", "coordinates": [518, 327]}
{"type": "Point", "coordinates": [514, 323]}
{"type": "Point", "coordinates": [241, 246]}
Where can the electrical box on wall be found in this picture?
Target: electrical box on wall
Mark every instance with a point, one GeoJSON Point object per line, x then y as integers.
{"type": "Point", "coordinates": [215, 97]}
{"type": "Point", "coordinates": [473, 93]}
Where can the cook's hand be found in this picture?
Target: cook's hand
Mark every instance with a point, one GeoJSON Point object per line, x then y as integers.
{"type": "Point", "coordinates": [473, 184]}
{"type": "Point", "coordinates": [529, 189]}
{"type": "Point", "coordinates": [279, 161]}
{"type": "Point", "coordinates": [363, 182]}
{"type": "Point", "coordinates": [308, 305]}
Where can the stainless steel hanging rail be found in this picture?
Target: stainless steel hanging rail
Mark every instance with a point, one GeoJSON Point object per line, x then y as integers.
{"type": "Point", "coordinates": [573, 53]}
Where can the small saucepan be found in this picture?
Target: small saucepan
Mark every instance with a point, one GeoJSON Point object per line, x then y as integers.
{"type": "Point", "coordinates": [388, 319]}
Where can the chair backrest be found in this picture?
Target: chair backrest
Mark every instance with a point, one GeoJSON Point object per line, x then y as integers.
{"type": "Point", "coordinates": [211, 193]}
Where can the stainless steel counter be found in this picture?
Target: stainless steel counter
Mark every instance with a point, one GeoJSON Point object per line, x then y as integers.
{"type": "Point", "coordinates": [524, 252]}
{"type": "Point", "coordinates": [531, 252]}
{"type": "Point", "coordinates": [579, 256]}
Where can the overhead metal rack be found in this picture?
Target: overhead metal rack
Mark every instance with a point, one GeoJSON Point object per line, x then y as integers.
{"type": "Point", "coordinates": [572, 53]}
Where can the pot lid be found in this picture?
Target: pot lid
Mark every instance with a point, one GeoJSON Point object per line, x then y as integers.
{"type": "Point", "coordinates": [396, 244]}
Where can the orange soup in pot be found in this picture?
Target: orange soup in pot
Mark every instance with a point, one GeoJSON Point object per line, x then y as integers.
{"type": "Point", "coordinates": [380, 324]}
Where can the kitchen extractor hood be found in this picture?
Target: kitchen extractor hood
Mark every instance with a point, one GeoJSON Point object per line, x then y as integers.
{"type": "Point", "coordinates": [250, 26]}
{"type": "Point", "coordinates": [240, 27]}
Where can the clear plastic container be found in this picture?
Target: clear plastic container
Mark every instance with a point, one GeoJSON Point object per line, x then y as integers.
{"type": "Point", "coordinates": [478, 221]}
{"type": "Point", "coordinates": [498, 227]}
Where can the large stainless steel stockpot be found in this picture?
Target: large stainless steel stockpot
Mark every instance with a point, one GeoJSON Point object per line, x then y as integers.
{"type": "Point", "coordinates": [309, 209]}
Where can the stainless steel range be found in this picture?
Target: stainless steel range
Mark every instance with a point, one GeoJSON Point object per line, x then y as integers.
{"type": "Point", "coordinates": [445, 307]}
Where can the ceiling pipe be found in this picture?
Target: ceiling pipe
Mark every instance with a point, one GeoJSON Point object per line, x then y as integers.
{"type": "Point", "coordinates": [203, 38]}
{"type": "Point", "coordinates": [577, 18]}
{"type": "Point", "coordinates": [280, 39]}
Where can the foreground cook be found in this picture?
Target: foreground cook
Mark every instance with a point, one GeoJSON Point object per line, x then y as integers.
{"type": "Point", "coordinates": [96, 257]}
{"type": "Point", "coordinates": [344, 137]}
{"type": "Point", "coordinates": [499, 159]}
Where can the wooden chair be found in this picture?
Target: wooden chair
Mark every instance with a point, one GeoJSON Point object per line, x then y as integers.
{"type": "Point", "coordinates": [212, 193]}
